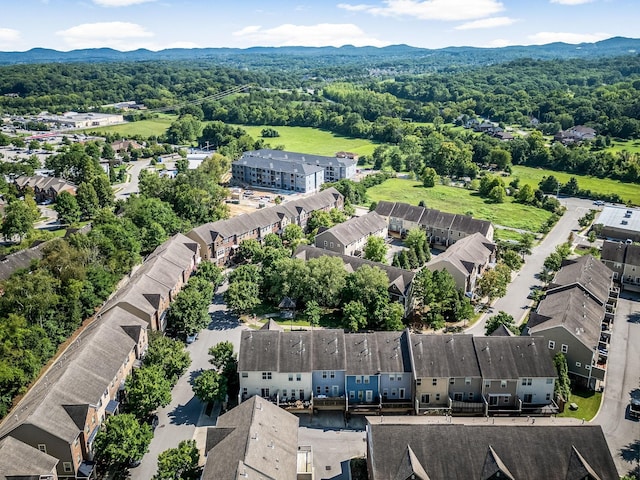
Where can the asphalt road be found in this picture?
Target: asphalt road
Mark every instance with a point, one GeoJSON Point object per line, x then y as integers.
{"type": "Point", "coordinates": [623, 381]}
{"type": "Point", "coordinates": [181, 418]}
{"type": "Point", "coordinates": [515, 302]}
{"type": "Point", "coordinates": [126, 189]}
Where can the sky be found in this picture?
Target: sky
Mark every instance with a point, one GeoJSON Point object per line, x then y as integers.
{"type": "Point", "coordinates": [158, 24]}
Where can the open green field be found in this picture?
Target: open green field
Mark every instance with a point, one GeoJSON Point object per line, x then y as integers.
{"type": "Point", "coordinates": [632, 146]}
{"type": "Point", "coordinates": [460, 200]}
{"type": "Point", "coordinates": [312, 140]}
{"type": "Point", "coordinates": [152, 127]}
{"type": "Point", "coordinates": [503, 234]}
{"type": "Point", "coordinates": [532, 176]}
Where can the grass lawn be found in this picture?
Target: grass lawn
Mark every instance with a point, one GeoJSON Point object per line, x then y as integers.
{"type": "Point", "coordinates": [145, 128]}
{"type": "Point", "coordinates": [588, 404]}
{"type": "Point", "coordinates": [460, 200]}
{"type": "Point", "coordinates": [532, 176]}
{"type": "Point", "coordinates": [312, 140]}
{"type": "Point", "coordinates": [503, 234]}
{"type": "Point", "coordinates": [632, 146]}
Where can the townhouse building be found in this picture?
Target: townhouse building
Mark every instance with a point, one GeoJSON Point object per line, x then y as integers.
{"type": "Point", "coordinates": [350, 237]}
{"type": "Point", "coordinates": [400, 280]}
{"type": "Point", "coordinates": [19, 461]}
{"type": "Point", "coordinates": [62, 414]}
{"type": "Point", "coordinates": [398, 372]}
{"type": "Point", "coordinates": [466, 260]}
{"type": "Point", "coordinates": [576, 316]}
{"type": "Point", "coordinates": [155, 284]}
{"type": "Point", "coordinates": [219, 240]}
{"type": "Point", "coordinates": [44, 188]}
{"type": "Point", "coordinates": [256, 440]}
{"type": "Point", "coordinates": [443, 229]}
{"type": "Point", "coordinates": [619, 223]}
{"type": "Point", "coordinates": [412, 450]}
{"type": "Point", "coordinates": [624, 261]}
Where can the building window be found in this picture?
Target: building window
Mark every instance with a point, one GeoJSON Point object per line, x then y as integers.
{"type": "Point", "coordinates": [487, 383]}
{"type": "Point", "coordinates": [548, 397]}
{"type": "Point", "coordinates": [266, 375]}
{"type": "Point", "coordinates": [418, 381]}
{"type": "Point", "coordinates": [564, 348]}
{"type": "Point", "coordinates": [458, 397]}
{"type": "Point", "coordinates": [526, 382]}
{"type": "Point", "coordinates": [437, 397]}
{"type": "Point", "coordinates": [452, 381]}
{"type": "Point", "coordinates": [552, 345]}
{"type": "Point", "coordinates": [332, 374]}
{"type": "Point", "coordinates": [434, 382]}
{"type": "Point", "coordinates": [392, 377]}
{"type": "Point", "coordinates": [366, 379]}
{"type": "Point", "coordinates": [358, 380]}
{"type": "Point", "coordinates": [245, 374]}
{"type": "Point", "coordinates": [298, 377]}
{"type": "Point", "coordinates": [67, 467]}
{"type": "Point", "coordinates": [578, 364]}
{"type": "Point", "coordinates": [467, 381]}
{"type": "Point", "coordinates": [325, 243]}
{"type": "Point", "coordinates": [324, 374]}
{"type": "Point", "coordinates": [528, 398]}
{"type": "Point", "coordinates": [42, 447]}
{"type": "Point", "coordinates": [470, 395]}
{"type": "Point", "coordinates": [399, 378]}
{"type": "Point", "coordinates": [291, 377]}
{"type": "Point", "coordinates": [503, 384]}
{"type": "Point", "coordinates": [318, 390]}
{"type": "Point", "coordinates": [352, 394]}
{"type": "Point", "coordinates": [284, 392]}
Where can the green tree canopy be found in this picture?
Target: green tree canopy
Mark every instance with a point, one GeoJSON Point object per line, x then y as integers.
{"type": "Point", "coordinates": [179, 463]}
{"type": "Point", "coordinates": [67, 208]}
{"type": "Point", "coordinates": [169, 354]}
{"type": "Point", "coordinates": [501, 318]}
{"type": "Point", "coordinates": [210, 386]}
{"type": "Point", "coordinates": [375, 249]}
{"type": "Point", "coordinates": [147, 389]}
{"type": "Point", "coordinates": [123, 439]}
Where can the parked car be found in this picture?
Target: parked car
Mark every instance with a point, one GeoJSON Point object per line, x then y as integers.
{"type": "Point", "coordinates": [192, 338]}
{"type": "Point", "coordinates": [634, 408]}
{"type": "Point", "coordinates": [598, 203]}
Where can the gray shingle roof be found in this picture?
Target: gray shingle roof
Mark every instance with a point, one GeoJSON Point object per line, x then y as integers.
{"type": "Point", "coordinates": [466, 254]}
{"type": "Point", "coordinates": [278, 165]}
{"type": "Point", "coordinates": [295, 352]}
{"type": "Point", "coordinates": [572, 309]}
{"type": "Point", "coordinates": [355, 228]}
{"type": "Point", "coordinates": [79, 377]}
{"type": "Point", "coordinates": [444, 356]}
{"type": "Point", "coordinates": [289, 157]}
{"type": "Point", "coordinates": [362, 354]}
{"type": "Point", "coordinates": [259, 351]}
{"type": "Point", "coordinates": [19, 260]}
{"type": "Point", "coordinates": [329, 351]}
{"type": "Point", "coordinates": [399, 279]}
{"type": "Point", "coordinates": [513, 357]}
{"type": "Point", "coordinates": [259, 441]}
{"type": "Point", "coordinates": [44, 183]}
{"type": "Point", "coordinates": [393, 352]}
{"type": "Point", "coordinates": [619, 252]}
{"type": "Point", "coordinates": [589, 272]}
{"type": "Point", "coordinates": [18, 459]}
{"type": "Point", "coordinates": [461, 451]}
{"type": "Point", "coordinates": [384, 208]}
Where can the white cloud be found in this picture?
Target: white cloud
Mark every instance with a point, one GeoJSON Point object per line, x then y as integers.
{"type": "Point", "coordinates": [9, 35]}
{"type": "Point", "coordinates": [118, 35]}
{"type": "Point", "coordinates": [571, 2]}
{"type": "Point", "coordinates": [541, 38]}
{"type": "Point", "coordinates": [448, 10]}
{"type": "Point", "coordinates": [322, 34]}
{"type": "Point", "coordinates": [491, 22]}
{"type": "Point", "coordinates": [498, 43]}
{"type": "Point", "coordinates": [120, 3]}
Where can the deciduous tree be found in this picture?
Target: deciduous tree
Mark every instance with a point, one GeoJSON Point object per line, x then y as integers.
{"type": "Point", "coordinates": [123, 439]}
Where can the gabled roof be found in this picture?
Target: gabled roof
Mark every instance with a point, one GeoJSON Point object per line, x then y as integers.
{"type": "Point", "coordinates": [494, 467]}
{"type": "Point", "coordinates": [255, 441]}
{"type": "Point", "coordinates": [399, 279]}
{"type": "Point", "coordinates": [362, 354]}
{"type": "Point", "coordinates": [444, 356]}
{"type": "Point", "coordinates": [355, 228]}
{"type": "Point", "coordinates": [259, 351]}
{"type": "Point", "coordinates": [18, 459]}
{"type": "Point", "coordinates": [410, 467]}
{"type": "Point", "coordinates": [579, 468]}
{"type": "Point", "coordinates": [502, 331]}
{"type": "Point", "coordinates": [466, 254]}
{"type": "Point", "coordinates": [329, 350]}
{"type": "Point", "coordinates": [507, 358]}
{"type": "Point", "coordinates": [272, 325]}
{"type": "Point", "coordinates": [78, 379]}
{"type": "Point", "coordinates": [588, 272]}
{"type": "Point", "coordinates": [447, 451]}
{"type": "Point", "coordinates": [45, 183]}
{"type": "Point", "coordinates": [384, 208]}
{"type": "Point", "coordinates": [19, 260]}
{"type": "Point", "coordinates": [572, 309]}
{"type": "Point", "coordinates": [294, 352]}
{"type": "Point", "coordinates": [393, 352]}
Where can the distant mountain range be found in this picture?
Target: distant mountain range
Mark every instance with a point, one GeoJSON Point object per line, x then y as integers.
{"type": "Point", "coordinates": [615, 46]}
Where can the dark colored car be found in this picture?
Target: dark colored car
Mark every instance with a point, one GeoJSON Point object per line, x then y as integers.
{"type": "Point", "coordinates": [634, 408]}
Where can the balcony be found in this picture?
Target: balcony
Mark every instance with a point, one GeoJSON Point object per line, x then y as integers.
{"type": "Point", "coordinates": [397, 406]}
{"type": "Point", "coordinates": [322, 402]}
{"type": "Point", "coordinates": [460, 407]}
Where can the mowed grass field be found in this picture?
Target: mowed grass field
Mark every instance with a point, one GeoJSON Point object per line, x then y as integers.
{"type": "Point", "coordinates": [152, 127]}
{"type": "Point", "coordinates": [312, 140]}
{"type": "Point", "coordinates": [533, 176]}
{"type": "Point", "coordinates": [460, 200]}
